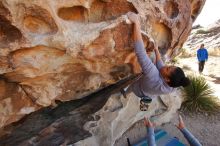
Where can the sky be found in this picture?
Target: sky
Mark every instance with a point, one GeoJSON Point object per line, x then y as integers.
{"type": "Point", "coordinates": [209, 14]}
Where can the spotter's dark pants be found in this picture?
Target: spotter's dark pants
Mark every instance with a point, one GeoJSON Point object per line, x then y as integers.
{"type": "Point", "coordinates": [201, 66]}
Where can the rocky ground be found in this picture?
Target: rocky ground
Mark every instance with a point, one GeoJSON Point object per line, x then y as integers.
{"type": "Point", "coordinates": [205, 127]}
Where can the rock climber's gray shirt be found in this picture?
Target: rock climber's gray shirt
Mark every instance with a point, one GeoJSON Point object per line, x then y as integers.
{"type": "Point", "coordinates": [151, 82]}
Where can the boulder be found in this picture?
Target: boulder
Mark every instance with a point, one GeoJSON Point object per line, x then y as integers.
{"type": "Point", "coordinates": [63, 50]}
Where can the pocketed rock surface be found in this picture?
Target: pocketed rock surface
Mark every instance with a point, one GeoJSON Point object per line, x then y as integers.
{"type": "Point", "coordinates": [63, 50]}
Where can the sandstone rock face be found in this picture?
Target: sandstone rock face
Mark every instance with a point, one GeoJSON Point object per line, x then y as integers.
{"type": "Point", "coordinates": [66, 49]}
{"type": "Point", "coordinates": [209, 36]}
{"type": "Point", "coordinates": [83, 123]}
{"type": "Point", "coordinates": [119, 114]}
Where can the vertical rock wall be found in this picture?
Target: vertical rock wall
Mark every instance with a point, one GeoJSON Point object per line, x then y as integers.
{"type": "Point", "coordinates": [66, 49]}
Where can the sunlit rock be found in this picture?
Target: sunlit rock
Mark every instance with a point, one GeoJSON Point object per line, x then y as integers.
{"type": "Point", "coordinates": [66, 49]}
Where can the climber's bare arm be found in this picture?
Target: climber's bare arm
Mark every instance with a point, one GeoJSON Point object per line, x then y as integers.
{"type": "Point", "coordinates": [156, 50]}
{"type": "Point", "coordinates": [134, 18]}
{"type": "Point", "coordinates": [137, 33]}
{"type": "Point", "coordinates": [143, 59]}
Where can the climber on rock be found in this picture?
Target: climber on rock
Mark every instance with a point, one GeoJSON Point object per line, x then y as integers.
{"type": "Point", "coordinates": [156, 79]}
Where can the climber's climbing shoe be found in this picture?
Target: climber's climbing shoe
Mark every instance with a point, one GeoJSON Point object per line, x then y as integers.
{"type": "Point", "coordinates": [123, 93]}
{"type": "Point", "coordinates": [144, 103]}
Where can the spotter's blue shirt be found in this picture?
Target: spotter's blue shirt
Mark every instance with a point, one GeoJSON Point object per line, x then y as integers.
{"type": "Point", "coordinates": [202, 54]}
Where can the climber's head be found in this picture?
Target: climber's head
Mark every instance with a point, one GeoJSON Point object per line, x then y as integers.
{"type": "Point", "coordinates": [174, 76]}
